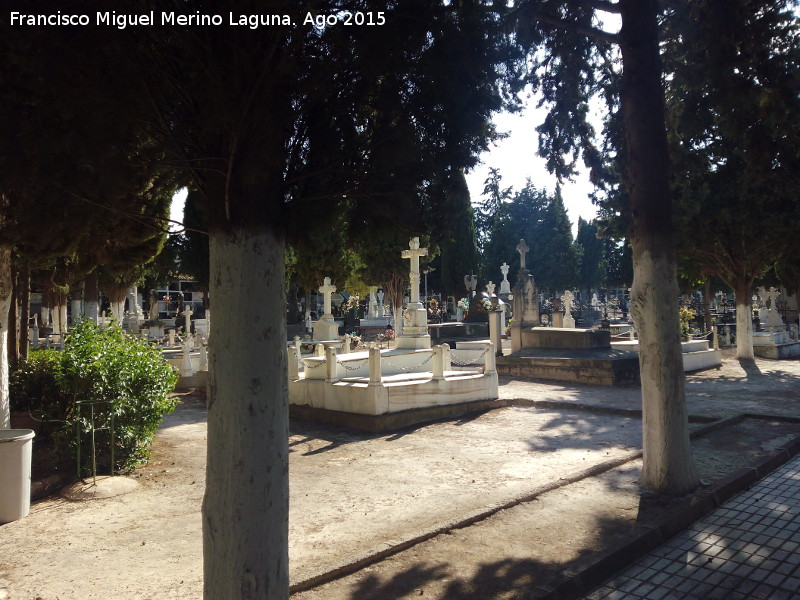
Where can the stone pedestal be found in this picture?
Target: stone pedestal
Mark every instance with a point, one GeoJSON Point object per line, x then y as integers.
{"type": "Point", "coordinates": [326, 329]}
{"type": "Point", "coordinates": [415, 328]}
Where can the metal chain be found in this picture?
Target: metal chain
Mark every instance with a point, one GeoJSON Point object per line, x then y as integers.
{"type": "Point", "coordinates": [470, 363]}
{"type": "Point", "coordinates": [409, 369]}
{"type": "Point", "coordinates": [361, 363]}
{"type": "Point", "coordinates": [312, 366]}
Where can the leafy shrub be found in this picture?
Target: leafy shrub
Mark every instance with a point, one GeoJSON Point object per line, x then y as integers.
{"type": "Point", "coordinates": [33, 386]}
{"type": "Point", "coordinates": [100, 374]}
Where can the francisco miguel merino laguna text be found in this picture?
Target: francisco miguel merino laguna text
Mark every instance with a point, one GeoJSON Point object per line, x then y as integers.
{"type": "Point", "coordinates": [121, 21]}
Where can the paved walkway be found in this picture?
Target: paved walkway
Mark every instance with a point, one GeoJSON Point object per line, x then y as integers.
{"type": "Point", "coordinates": [747, 548]}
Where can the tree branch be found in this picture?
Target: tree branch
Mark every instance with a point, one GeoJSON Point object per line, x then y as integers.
{"type": "Point", "coordinates": [605, 6]}
{"type": "Point", "coordinates": [592, 32]}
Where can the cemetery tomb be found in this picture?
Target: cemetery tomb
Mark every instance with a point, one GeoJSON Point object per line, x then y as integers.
{"type": "Point", "coordinates": [410, 383]}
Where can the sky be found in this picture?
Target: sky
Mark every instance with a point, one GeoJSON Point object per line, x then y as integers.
{"type": "Point", "coordinates": [516, 159]}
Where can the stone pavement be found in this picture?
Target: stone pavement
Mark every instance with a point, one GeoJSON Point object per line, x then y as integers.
{"type": "Point", "coordinates": [747, 548]}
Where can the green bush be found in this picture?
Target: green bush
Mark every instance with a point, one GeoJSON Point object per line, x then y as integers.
{"type": "Point", "coordinates": [100, 374]}
{"type": "Point", "coordinates": [33, 389]}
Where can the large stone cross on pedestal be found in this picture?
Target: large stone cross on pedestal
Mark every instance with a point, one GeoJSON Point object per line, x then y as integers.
{"type": "Point", "coordinates": [522, 248]}
{"type": "Point", "coordinates": [326, 290]}
{"type": "Point", "coordinates": [414, 252]}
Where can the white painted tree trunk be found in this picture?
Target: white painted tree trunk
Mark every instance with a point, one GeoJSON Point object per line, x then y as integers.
{"type": "Point", "coordinates": [668, 464]}
{"type": "Point", "coordinates": [59, 318]}
{"type": "Point", "coordinates": [118, 311]}
{"type": "Point", "coordinates": [744, 326]}
{"type": "Point", "coordinates": [246, 505]}
{"type": "Point", "coordinates": [5, 305]}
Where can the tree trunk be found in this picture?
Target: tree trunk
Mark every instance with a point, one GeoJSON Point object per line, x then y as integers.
{"type": "Point", "coordinates": [744, 320]}
{"type": "Point", "coordinates": [92, 297]}
{"type": "Point", "coordinates": [13, 318]}
{"type": "Point", "coordinates": [5, 305]}
{"type": "Point", "coordinates": [246, 505]}
{"type": "Point", "coordinates": [25, 308]}
{"type": "Point", "coordinates": [707, 320]}
{"type": "Point", "coordinates": [668, 464]}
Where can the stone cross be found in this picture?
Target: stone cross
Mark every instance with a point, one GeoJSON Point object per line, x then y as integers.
{"type": "Point", "coordinates": [522, 248]}
{"type": "Point", "coordinates": [566, 302]}
{"type": "Point", "coordinates": [380, 302]}
{"type": "Point", "coordinates": [413, 253]}
{"type": "Point", "coordinates": [326, 290]}
{"type": "Point", "coordinates": [773, 298]}
{"type": "Point", "coordinates": [490, 288]}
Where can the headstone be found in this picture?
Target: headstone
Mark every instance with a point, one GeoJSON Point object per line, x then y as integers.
{"type": "Point", "coordinates": [566, 302]}
{"type": "Point", "coordinates": [326, 328]}
{"type": "Point", "coordinates": [201, 327]}
{"type": "Point", "coordinates": [556, 314]}
{"type": "Point", "coordinates": [379, 295]}
{"type": "Point", "coordinates": [171, 336]}
{"type": "Point", "coordinates": [187, 370]}
{"type": "Point", "coordinates": [505, 285]}
{"type": "Point", "coordinates": [373, 306]}
{"type": "Point", "coordinates": [490, 287]}
{"type": "Point", "coordinates": [471, 283]}
{"type": "Point", "coordinates": [774, 317]}
{"type": "Point", "coordinates": [530, 310]}
{"type": "Point", "coordinates": [415, 317]}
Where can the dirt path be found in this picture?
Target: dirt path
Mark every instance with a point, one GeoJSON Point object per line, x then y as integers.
{"type": "Point", "coordinates": [354, 495]}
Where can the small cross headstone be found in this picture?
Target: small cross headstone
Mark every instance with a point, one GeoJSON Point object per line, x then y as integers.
{"type": "Point", "coordinates": [490, 287]}
{"type": "Point", "coordinates": [505, 285]}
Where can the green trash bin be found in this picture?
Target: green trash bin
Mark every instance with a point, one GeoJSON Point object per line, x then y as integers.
{"type": "Point", "coordinates": [16, 446]}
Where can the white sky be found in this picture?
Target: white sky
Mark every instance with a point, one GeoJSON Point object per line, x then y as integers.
{"type": "Point", "coordinates": [176, 209]}
{"type": "Point", "coordinates": [516, 158]}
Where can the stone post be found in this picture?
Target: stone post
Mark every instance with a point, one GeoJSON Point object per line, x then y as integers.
{"type": "Point", "coordinates": [375, 368]}
{"type": "Point", "coordinates": [438, 363]}
{"type": "Point", "coordinates": [294, 363]}
{"type": "Point", "coordinates": [489, 365]}
{"type": "Point", "coordinates": [331, 365]}
{"type": "Point", "coordinates": [203, 366]}
{"type": "Point", "coordinates": [495, 331]}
